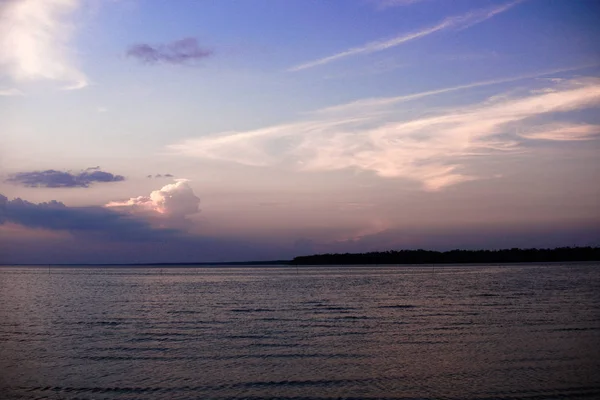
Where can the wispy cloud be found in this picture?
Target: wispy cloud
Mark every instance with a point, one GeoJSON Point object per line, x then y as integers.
{"type": "Point", "coordinates": [562, 132]}
{"type": "Point", "coordinates": [434, 150]}
{"type": "Point", "coordinates": [383, 4]}
{"type": "Point", "coordinates": [182, 51]}
{"type": "Point", "coordinates": [455, 22]}
{"type": "Point", "coordinates": [390, 101]}
{"type": "Point", "coordinates": [61, 179]}
{"type": "Point", "coordinates": [34, 38]}
{"type": "Point", "coordinates": [10, 92]}
{"type": "Point", "coordinates": [160, 176]}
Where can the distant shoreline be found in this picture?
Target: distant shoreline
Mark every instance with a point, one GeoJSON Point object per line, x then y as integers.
{"type": "Point", "coordinates": [388, 258]}
{"type": "Point", "coordinates": [420, 257]}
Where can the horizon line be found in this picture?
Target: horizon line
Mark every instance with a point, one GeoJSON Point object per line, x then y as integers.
{"type": "Point", "coordinates": [286, 262]}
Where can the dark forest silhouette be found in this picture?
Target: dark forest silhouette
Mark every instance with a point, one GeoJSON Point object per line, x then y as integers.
{"type": "Point", "coordinates": [514, 255]}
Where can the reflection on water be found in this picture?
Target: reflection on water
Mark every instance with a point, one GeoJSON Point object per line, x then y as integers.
{"type": "Point", "coordinates": [476, 332]}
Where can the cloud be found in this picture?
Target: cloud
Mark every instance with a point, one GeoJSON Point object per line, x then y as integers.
{"type": "Point", "coordinates": [53, 232]}
{"type": "Point", "coordinates": [376, 103]}
{"type": "Point", "coordinates": [383, 4]}
{"type": "Point", "coordinates": [34, 39]}
{"type": "Point", "coordinates": [172, 204]}
{"type": "Point", "coordinates": [10, 92]}
{"type": "Point", "coordinates": [433, 150]}
{"type": "Point", "coordinates": [455, 22]}
{"type": "Point", "coordinates": [360, 105]}
{"type": "Point", "coordinates": [173, 199]}
{"type": "Point", "coordinates": [162, 215]}
{"type": "Point", "coordinates": [562, 132]}
{"type": "Point", "coordinates": [183, 51]}
{"type": "Point", "coordinates": [55, 215]}
{"type": "Point", "coordinates": [59, 179]}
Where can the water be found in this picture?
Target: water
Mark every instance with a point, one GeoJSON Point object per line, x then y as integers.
{"type": "Point", "coordinates": [476, 332]}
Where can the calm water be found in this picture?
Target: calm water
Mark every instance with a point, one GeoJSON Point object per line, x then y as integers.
{"type": "Point", "coordinates": [485, 332]}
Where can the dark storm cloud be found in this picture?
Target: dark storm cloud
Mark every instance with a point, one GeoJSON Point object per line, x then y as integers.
{"type": "Point", "coordinates": [94, 221]}
{"type": "Point", "coordinates": [60, 179]}
{"type": "Point", "coordinates": [183, 51]}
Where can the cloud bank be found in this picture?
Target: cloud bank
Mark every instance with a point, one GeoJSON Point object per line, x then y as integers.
{"type": "Point", "coordinates": [52, 232]}
{"type": "Point", "coordinates": [160, 216]}
{"type": "Point", "coordinates": [55, 215]}
{"type": "Point", "coordinates": [455, 22]}
{"type": "Point", "coordinates": [183, 51]}
{"type": "Point", "coordinates": [59, 179]}
{"type": "Point", "coordinates": [34, 41]}
{"type": "Point", "coordinates": [434, 150]}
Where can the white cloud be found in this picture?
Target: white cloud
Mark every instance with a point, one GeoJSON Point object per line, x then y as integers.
{"type": "Point", "coordinates": [433, 150]}
{"type": "Point", "coordinates": [172, 204]}
{"type": "Point", "coordinates": [10, 92]}
{"type": "Point", "coordinates": [455, 22]}
{"type": "Point", "coordinates": [562, 132]}
{"type": "Point", "coordinates": [34, 37]}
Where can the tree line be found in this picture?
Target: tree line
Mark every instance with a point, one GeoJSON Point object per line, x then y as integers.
{"type": "Point", "coordinates": [514, 255]}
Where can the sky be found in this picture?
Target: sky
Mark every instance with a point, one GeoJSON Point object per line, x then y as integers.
{"type": "Point", "coordinates": [136, 131]}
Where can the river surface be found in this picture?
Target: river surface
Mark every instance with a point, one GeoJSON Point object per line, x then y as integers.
{"type": "Point", "coordinates": [451, 332]}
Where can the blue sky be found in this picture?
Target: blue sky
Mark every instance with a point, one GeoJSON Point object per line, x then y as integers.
{"type": "Point", "coordinates": [291, 127]}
